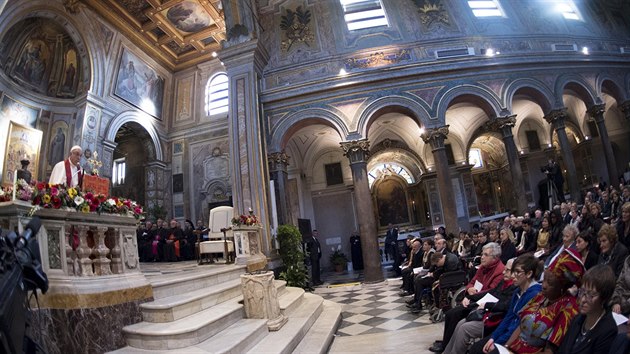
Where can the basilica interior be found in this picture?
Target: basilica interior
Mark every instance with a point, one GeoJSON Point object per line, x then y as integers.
{"type": "Point", "coordinates": [345, 114]}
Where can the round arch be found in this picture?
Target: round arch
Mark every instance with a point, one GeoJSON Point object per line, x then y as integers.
{"type": "Point", "coordinates": [576, 84]}
{"type": "Point", "coordinates": [283, 131]}
{"type": "Point", "coordinates": [405, 105]}
{"type": "Point", "coordinates": [610, 86]}
{"type": "Point", "coordinates": [136, 117]}
{"type": "Point", "coordinates": [536, 90]}
{"type": "Point", "coordinates": [485, 99]}
{"type": "Point", "coordinates": [85, 42]}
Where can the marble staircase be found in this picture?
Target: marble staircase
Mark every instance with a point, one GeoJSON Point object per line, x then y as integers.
{"type": "Point", "coordinates": [200, 310]}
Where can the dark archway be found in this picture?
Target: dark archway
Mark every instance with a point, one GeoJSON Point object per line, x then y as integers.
{"type": "Point", "coordinates": [134, 149]}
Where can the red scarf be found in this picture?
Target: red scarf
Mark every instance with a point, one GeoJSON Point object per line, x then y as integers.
{"type": "Point", "coordinates": [69, 174]}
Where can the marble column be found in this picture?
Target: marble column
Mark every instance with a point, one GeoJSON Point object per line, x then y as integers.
{"type": "Point", "coordinates": [248, 158]}
{"type": "Point", "coordinates": [436, 137]}
{"type": "Point", "coordinates": [597, 112]}
{"type": "Point", "coordinates": [278, 162]}
{"type": "Point", "coordinates": [505, 124]}
{"type": "Point", "coordinates": [357, 151]}
{"type": "Point", "coordinates": [557, 118]}
{"type": "Point", "coordinates": [625, 108]}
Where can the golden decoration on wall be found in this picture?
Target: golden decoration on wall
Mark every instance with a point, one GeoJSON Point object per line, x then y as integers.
{"type": "Point", "coordinates": [296, 28]}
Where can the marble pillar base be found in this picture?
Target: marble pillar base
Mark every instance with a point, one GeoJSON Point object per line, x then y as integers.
{"type": "Point", "coordinates": [87, 330]}
{"type": "Point", "coordinates": [260, 299]}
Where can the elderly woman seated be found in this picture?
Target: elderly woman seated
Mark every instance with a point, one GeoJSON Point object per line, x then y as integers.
{"type": "Point", "coordinates": [594, 329]}
{"type": "Point", "coordinates": [525, 271]}
{"type": "Point", "coordinates": [621, 297]}
{"type": "Point", "coordinates": [545, 319]}
{"type": "Point", "coordinates": [613, 253]}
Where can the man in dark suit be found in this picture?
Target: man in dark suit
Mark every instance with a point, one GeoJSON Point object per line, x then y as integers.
{"type": "Point", "coordinates": [414, 261]}
{"type": "Point", "coordinates": [315, 254]}
{"type": "Point", "coordinates": [391, 248]}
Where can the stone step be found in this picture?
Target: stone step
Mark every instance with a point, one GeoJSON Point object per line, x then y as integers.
{"type": "Point", "coordinates": [281, 286]}
{"type": "Point", "coordinates": [289, 336]}
{"type": "Point", "coordinates": [319, 338]}
{"type": "Point", "coordinates": [187, 331]}
{"type": "Point", "coordinates": [179, 306]}
{"type": "Point", "coordinates": [172, 284]}
{"type": "Point", "coordinates": [290, 299]}
{"type": "Point", "coordinates": [238, 338]}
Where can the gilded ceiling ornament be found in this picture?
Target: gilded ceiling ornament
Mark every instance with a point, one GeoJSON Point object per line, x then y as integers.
{"type": "Point", "coordinates": [72, 6]}
{"type": "Point", "coordinates": [296, 27]}
{"type": "Point", "coordinates": [432, 12]}
{"type": "Point", "coordinates": [378, 59]}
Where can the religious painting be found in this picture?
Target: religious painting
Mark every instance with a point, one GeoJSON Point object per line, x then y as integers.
{"type": "Point", "coordinates": [139, 84]}
{"type": "Point", "coordinates": [391, 200]}
{"type": "Point", "coordinates": [188, 17]}
{"type": "Point", "coordinates": [31, 65]}
{"type": "Point", "coordinates": [23, 143]}
{"type": "Point", "coordinates": [58, 144]}
{"type": "Point", "coordinates": [68, 80]}
{"type": "Point", "coordinates": [178, 183]}
{"type": "Point", "coordinates": [333, 174]}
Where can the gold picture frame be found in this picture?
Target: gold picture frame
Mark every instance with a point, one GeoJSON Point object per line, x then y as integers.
{"type": "Point", "coordinates": [22, 142]}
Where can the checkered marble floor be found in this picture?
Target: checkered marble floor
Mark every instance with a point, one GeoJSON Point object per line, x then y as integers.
{"type": "Point", "coordinates": [372, 308]}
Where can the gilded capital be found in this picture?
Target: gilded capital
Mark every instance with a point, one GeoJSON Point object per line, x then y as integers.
{"type": "Point", "coordinates": [556, 117]}
{"type": "Point", "coordinates": [597, 111]}
{"type": "Point", "coordinates": [435, 136]}
{"type": "Point", "coordinates": [501, 123]}
{"type": "Point", "coordinates": [73, 6]}
{"type": "Point", "coordinates": [356, 150]}
{"type": "Point", "coordinates": [278, 160]}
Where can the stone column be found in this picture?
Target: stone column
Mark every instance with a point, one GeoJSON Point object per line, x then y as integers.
{"type": "Point", "coordinates": [436, 137]}
{"type": "Point", "coordinates": [625, 108]}
{"type": "Point", "coordinates": [248, 159]}
{"type": "Point", "coordinates": [101, 262]}
{"type": "Point", "coordinates": [505, 124]}
{"type": "Point", "coordinates": [278, 162]}
{"type": "Point", "coordinates": [357, 151]}
{"type": "Point", "coordinates": [556, 118]}
{"type": "Point", "coordinates": [260, 299]}
{"type": "Point", "coordinates": [597, 112]}
{"type": "Point", "coordinates": [83, 253]}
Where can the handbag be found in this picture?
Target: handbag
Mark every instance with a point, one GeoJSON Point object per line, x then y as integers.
{"type": "Point", "coordinates": [475, 315]}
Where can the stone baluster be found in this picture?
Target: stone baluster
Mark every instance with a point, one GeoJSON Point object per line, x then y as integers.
{"type": "Point", "coordinates": [358, 151]}
{"type": "Point", "coordinates": [435, 137]}
{"type": "Point", "coordinates": [116, 263]}
{"type": "Point", "coordinates": [557, 120]}
{"type": "Point", "coordinates": [597, 112]}
{"type": "Point", "coordinates": [83, 252]}
{"type": "Point", "coordinates": [101, 262]}
{"type": "Point", "coordinates": [70, 255]}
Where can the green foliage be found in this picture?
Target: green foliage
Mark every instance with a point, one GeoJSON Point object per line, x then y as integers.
{"type": "Point", "coordinates": [338, 257]}
{"type": "Point", "coordinates": [156, 212]}
{"type": "Point", "coordinates": [292, 256]}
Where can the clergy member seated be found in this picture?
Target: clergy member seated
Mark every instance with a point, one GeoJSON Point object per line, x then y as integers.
{"type": "Point", "coordinates": [68, 172]}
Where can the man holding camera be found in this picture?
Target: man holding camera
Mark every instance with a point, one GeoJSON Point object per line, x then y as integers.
{"type": "Point", "coordinates": [553, 172]}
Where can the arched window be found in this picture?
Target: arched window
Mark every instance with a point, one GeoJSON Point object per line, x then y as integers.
{"type": "Point", "coordinates": [388, 169]}
{"type": "Point", "coordinates": [217, 94]}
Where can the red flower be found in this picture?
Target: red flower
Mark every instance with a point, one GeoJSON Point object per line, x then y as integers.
{"type": "Point", "coordinates": [54, 191]}
{"type": "Point", "coordinates": [41, 186]}
{"type": "Point", "coordinates": [56, 202]}
{"type": "Point", "coordinates": [88, 196]}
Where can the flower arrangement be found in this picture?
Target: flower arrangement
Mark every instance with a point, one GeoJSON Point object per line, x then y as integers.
{"type": "Point", "coordinates": [246, 220]}
{"type": "Point", "coordinates": [49, 196]}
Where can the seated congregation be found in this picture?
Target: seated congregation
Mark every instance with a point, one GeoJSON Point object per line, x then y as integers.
{"type": "Point", "coordinates": [558, 282]}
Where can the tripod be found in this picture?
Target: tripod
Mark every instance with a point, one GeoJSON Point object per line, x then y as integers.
{"type": "Point", "coordinates": [552, 193]}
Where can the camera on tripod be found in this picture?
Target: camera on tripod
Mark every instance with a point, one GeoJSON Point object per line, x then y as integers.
{"type": "Point", "coordinates": [20, 271]}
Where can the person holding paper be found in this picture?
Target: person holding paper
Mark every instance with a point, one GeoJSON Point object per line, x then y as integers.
{"type": "Point", "coordinates": [490, 271]}
{"type": "Point", "coordinates": [415, 261]}
{"type": "Point", "coordinates": [68, 172]}
{"type": "Point", "coordinates": [525, 271]}
{"type": "Point", "coordinates": [459, 328]}
{"type": "Point", "coordinates": [594, 329]}
{"type": "Point", "coordinates": [545, 319]}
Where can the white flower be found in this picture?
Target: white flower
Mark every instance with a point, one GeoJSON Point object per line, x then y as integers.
{"type": "Point", "coordinates": [78, 200]}
{"type": "Point", "coordinates": [111, 202]}
{"type": "Point", "coordinates": [1, 192]}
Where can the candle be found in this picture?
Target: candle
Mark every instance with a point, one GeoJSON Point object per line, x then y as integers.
{"type": "Point", "coordinates": [14, 183]}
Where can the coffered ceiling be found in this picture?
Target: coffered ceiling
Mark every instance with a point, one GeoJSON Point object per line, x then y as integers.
{"type": "Point", "coordinates": [178, 33]}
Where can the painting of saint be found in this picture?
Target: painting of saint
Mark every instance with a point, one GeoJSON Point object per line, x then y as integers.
{"type": "Point", "coordinates": [57, 146]}
{"type": "Point", "coordinates": [391, 199]}
{"type": "Point", "coordinates": [32, 63]}
{"type": "Point", "coordinates": [139, 85]}
{"type": "Point", "coordinates": [23, 143]}
{"type": "Point", "coordinates": [189, 16]}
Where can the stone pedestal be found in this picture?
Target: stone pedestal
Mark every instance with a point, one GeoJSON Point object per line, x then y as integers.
{"type": "Point", "coordinates": [260, 299]}
{"type": "Point", "coordinates": [248, 247]}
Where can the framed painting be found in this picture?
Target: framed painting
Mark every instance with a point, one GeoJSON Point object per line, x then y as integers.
{"type": "Point", "coordinates": [139, 84]}
{"type": "Point", "coordinates": [22, 143]}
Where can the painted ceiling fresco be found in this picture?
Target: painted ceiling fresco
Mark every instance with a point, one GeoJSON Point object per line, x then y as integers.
{"type": "Point", "coordinates": [180, 33]}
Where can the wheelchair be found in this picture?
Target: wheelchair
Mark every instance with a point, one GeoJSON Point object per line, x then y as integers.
{"type": "Point", "coordinates": [448, 292]}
